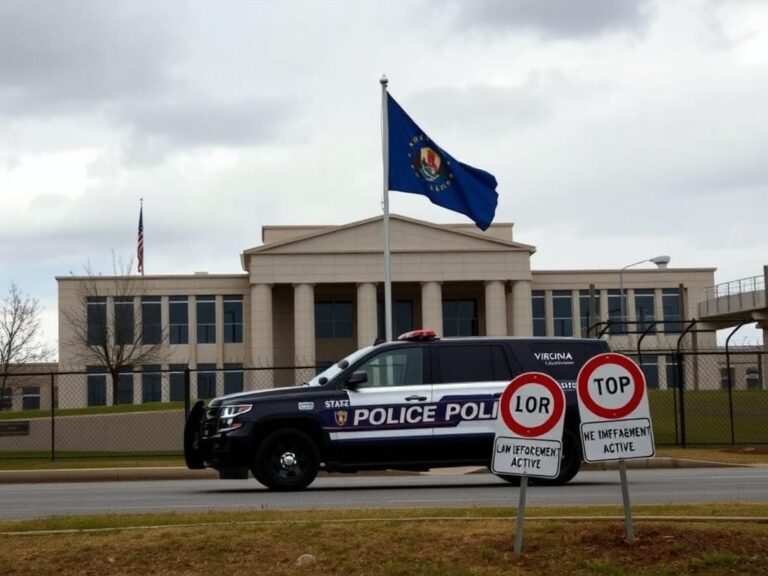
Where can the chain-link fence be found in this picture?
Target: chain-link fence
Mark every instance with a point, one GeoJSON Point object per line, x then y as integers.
{"type": "Point", "coordinates": [722, 399]}
{"type": "Point", "coordinates": [715, 396]}
{"type": "Point", "coordinates": [699, 392]}
{"type": "Point", "coordinates": [93, 414]}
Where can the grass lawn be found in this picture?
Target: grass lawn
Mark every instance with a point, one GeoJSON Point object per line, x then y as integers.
{"type": "Point", "coordinates": [574, 540]}
{"type": "Point", "coordinates": [707, 416]}
{"type": "Point", "coordinates": [93, 410]}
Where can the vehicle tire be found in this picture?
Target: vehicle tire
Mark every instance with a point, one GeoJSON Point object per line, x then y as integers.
{"type": "Point", "coordinates": [286, 460]}
{"type": "Point", "coordinates": [570, 462]}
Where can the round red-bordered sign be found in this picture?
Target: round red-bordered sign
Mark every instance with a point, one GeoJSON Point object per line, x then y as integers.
{"type": "Point", "coordinates": [526, 379]}
{"type": "Point", "coordinates": [582, 385]}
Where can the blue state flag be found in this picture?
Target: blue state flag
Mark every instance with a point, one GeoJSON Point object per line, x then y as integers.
{"type": "Point", "coordinates": [419, 166]}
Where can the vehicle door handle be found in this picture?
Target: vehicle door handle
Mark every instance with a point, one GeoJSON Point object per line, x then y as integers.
{"type": "Point", "coordinates": [416, 398]}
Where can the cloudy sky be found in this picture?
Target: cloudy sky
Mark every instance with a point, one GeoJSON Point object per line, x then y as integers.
{"type": "Point", "coordinates": [617, 130]}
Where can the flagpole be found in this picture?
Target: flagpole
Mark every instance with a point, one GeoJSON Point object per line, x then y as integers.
{"type": "Point", "coordinates": [387, 269]}
{"type": "Point", "coordinates": [140, 242]}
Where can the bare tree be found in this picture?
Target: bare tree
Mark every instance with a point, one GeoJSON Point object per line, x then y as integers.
{"type": "Point", "coordinates": [20, 337]}
{"type": "Point", "coordinates": [117, 339]}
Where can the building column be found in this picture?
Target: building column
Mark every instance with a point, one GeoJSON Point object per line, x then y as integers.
{"type": "Point", "coordinates": [764, 364]}
{"type": "Point", "coordinates": [432, 307]}
{"type": "Point", "coordinates": [304, 324]}
{"type": "Point", "coordinates": [495, 309]}
{"type": "Point", "coordinates": [549, 313]}
{"type": "Point", "coordinates": [603, 308]}
{"type": "Point", "coordinates": [576, 313]}
{"type": "Point", "coordinates": [367, 326]}
{"type": "Point", "coordinates": [192, 329]}
{"type": "Point", "coordinates": [262, 338]}
{"type": "Point", "coordinates": [522, 314]}
{"type": "Point", "coordinates": [219, 329]}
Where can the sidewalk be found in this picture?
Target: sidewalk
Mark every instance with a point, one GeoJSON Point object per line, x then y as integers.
{"type": "Point", "coordinates": [180, 473]}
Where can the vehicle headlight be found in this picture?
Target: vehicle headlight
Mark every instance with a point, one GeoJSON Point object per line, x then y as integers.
{"type": "Point", "coordinates": [228, 414]}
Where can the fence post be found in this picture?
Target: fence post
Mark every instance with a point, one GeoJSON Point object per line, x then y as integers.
{"type": "Point", "coordinates": [681, 381]}
{"type": "Point", "coordinates": [187, 392]}
{"type": "Point", "coordinates": [730, 380]}
{"type": "Point", "coordinates": [53, 418]}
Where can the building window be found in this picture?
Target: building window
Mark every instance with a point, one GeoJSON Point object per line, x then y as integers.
{"type": "Point", "coordinates": [178, 312]}
{"type": "Point", "coordinates": [206, 381]}
{"type": "Point", "coordinates": [726, 377]}
{"type": "Point", "coordinates": [333, 320]}
{"type": "Point", "coordinates": [460, 318]}
{"type": "Point", "coordinates": [97, 386]}
{"type": "Point", "coordinates": [617, 321]}
{"type": "Point", "coordinates": [589, 321]}
{"type": "Point", "coordinates": [233, 378]}
{"type": "Point", "coordinates": [97, 321]}
{"type": "Point", "coordinates": [562, 312]}
{"type": "Point", "coordinates": [672, 372]}
{"type": "Point", "coordinates": [125, 388]}
{"type": "Point", "coordinates": [649, 364]}
{"type": "Point", "coordinates": [30, 398]}
{"type": "Point", "coordinates": [151, 384]}
{"type": "Point", "coordinates": [402, 317]}
{"type": "Point", "coordinates": [176, 382]}
{"type": "Point", "coordinates": [6, 399]}
{"type": "Point", "coordinates": [206, 320]}
{"type": "Point", "coordinates": [753, 379]}
{"type": "Point", "coordinates": [233, 319]}
{"type": "Point", "coordinates": [123, 321]}
{"type": "Point", "coordinates": [670, 301]}
{"type": "Point", "coordinates": [151, 323]}
{"type": "Point", "coordinates": [645, 310]}
{"type": "Point", "coordinates": [538, 313]}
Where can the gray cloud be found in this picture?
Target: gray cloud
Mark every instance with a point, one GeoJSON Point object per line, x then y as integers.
{"type": "Point", "coordinates": [64, 56]}
{"type": "Point", "coordinates": [125, 63]}
{"type": "Point", "coordinates": [554, 18]}
{"type": "Point", "coordinates": [158, 126]}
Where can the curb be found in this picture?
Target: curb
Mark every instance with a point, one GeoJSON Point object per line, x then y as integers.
{"type": "Point", "coordinates": [180, 473]}
{"type": "Point", "coordinates": [658, 463]}
{"type": "Point", "coordinates": [103, 475]}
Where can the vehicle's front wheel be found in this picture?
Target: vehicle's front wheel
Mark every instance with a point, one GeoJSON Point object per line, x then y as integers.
{"type": "Point", "coordinates": [286, 460]}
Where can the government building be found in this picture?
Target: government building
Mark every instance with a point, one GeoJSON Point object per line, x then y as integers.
{"type": "Point", "coordinates": [309, 295]}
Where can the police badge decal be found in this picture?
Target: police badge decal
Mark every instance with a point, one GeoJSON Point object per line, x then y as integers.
{"type": "Point", "coordinates": [341, 417]}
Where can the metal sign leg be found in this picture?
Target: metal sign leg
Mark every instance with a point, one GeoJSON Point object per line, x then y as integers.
{"type": "Point", "coordinates": [521, 516]}
{"type": "Point", "coordinates": [625, 499]}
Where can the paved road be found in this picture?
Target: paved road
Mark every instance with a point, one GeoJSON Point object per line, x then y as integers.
{"type": "Point", "coordinates": [430, 491]}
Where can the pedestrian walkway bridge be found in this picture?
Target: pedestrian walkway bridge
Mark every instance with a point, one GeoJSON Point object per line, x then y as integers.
{"type": "Point", "coordinates": [738, 301]}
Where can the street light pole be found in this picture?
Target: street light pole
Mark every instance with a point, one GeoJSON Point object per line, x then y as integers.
{"type": "Point", "coordinates": [660, 261]}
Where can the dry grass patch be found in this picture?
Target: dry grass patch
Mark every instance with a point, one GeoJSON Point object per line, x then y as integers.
{"type": "Point", "coordinates": [384, 543]}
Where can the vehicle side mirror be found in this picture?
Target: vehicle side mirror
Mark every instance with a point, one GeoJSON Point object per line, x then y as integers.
{"type": "Point", "coordinates": [356, 379]}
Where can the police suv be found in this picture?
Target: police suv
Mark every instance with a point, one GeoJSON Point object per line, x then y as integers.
{"type": "Point", "coordinates": [417, 403]}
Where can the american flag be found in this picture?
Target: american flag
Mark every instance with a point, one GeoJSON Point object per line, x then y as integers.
{"type": "Point", "coordinates": [140, 242]}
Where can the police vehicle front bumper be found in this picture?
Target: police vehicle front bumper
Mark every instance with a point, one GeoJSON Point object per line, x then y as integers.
{"type": "Point", "coordinates": [207, 447]}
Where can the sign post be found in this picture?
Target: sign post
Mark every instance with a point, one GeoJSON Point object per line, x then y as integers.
{"type": "Point", "coordinates": [529, 432]}
{"type": "Point", "coordinates": [615, 419]}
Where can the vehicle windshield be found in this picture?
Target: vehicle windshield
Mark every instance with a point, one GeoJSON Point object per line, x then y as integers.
{"type": "Point", "coordinates": [331, 372]}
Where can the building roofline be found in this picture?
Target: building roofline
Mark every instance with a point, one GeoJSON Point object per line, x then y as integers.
{"type": "Point", "coordinates": [617, 270]}
{"type": "Point", "coordinates": [157, 277]}
{"type": "Point", "coordinates": [441, 227]}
